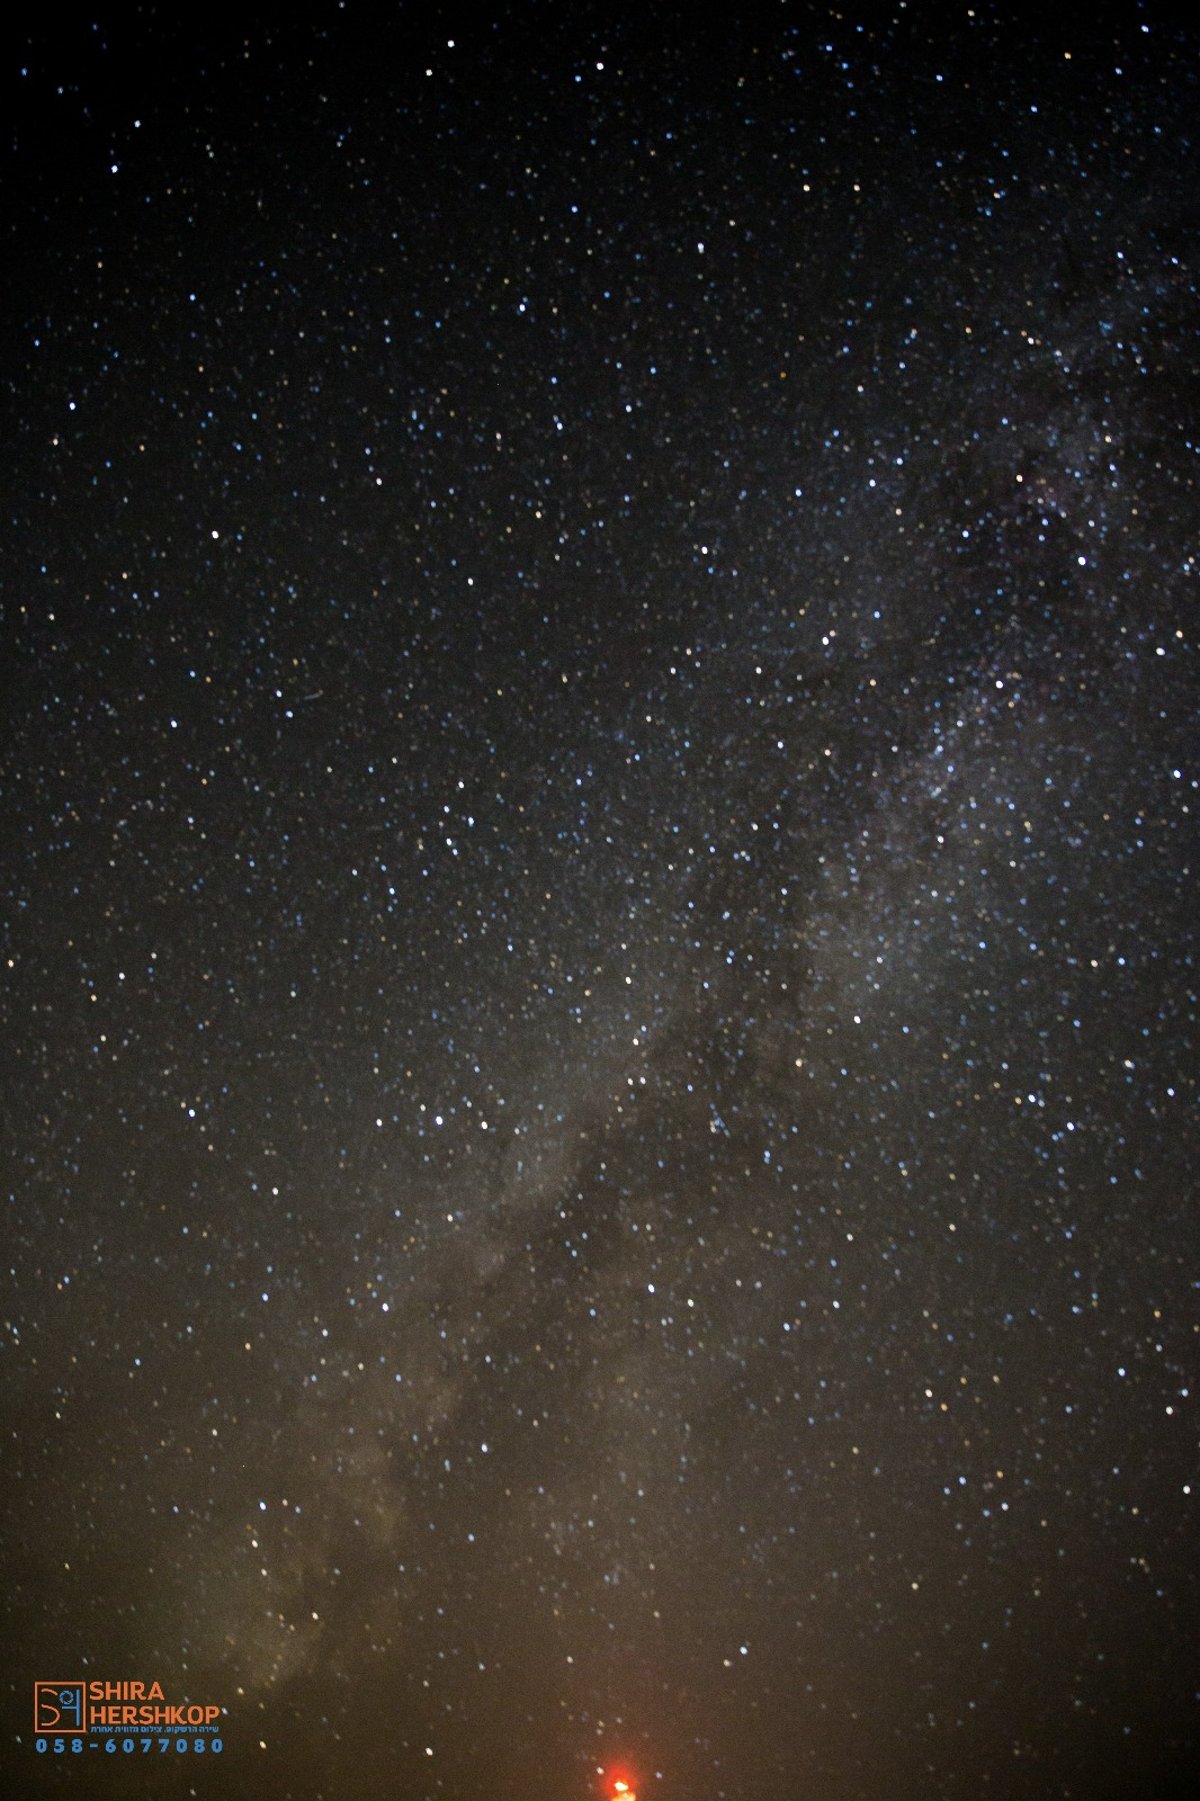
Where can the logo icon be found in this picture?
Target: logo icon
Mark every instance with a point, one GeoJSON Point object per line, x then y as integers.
{"type": "Point", "coordinates": [58, 1707]}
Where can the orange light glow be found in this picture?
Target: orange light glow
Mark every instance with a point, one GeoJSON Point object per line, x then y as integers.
{"type": "Point", "coordinates": [619, 1784]}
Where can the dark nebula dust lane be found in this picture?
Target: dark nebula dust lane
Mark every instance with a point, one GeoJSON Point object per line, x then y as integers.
{"type": "Point", "coordinates": [598, 820]}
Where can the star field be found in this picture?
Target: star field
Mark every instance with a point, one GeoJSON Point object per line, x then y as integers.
{"type": "Point", "coordinates": [599, 798]}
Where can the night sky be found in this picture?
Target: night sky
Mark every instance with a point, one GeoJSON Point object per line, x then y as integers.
{"type": "Point", "coordinates": [599, 777]}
